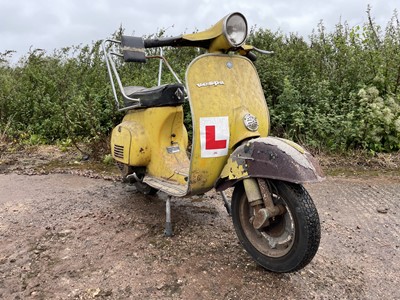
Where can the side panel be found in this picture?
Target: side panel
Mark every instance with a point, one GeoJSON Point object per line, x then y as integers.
{"type": "Point", "coordinates": [120, 144]}
{"type": "Point", "coordinates": [222, 90]}
{"type": "Point", "coordinates": [155, 138]}
{"type": "Point", "coordinates": [129, 144]}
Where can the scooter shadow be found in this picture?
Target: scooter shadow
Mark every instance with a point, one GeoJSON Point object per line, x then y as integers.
{"type": "Point", "coordinates": [195, 211]}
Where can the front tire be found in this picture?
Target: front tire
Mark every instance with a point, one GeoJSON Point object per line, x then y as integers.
{"type": "Point", "coordinates": [291, 240]}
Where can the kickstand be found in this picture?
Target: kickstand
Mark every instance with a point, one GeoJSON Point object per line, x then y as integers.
{"type": "Point", "coordinates": [168, 225]}
{"type": "Point", "coordinates": [227, 204]}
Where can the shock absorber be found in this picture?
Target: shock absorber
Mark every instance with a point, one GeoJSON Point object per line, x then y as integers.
{"type": "Point", "coordinates": [259, 197]}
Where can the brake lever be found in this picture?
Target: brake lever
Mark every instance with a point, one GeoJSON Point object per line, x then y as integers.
{"type": "Point", "coordinates": [263, 51]}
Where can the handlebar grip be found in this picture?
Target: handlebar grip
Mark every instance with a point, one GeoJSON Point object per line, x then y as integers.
{"type": "Point", "coordinates": [162, 42]}
{"type": "Point", "coordinates": [153, 43]}
{"type": "Point", "coordinates": [251, 56]}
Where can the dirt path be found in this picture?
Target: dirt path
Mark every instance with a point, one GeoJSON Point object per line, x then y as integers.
{"type": "Point", "coordinates": [70, 237]}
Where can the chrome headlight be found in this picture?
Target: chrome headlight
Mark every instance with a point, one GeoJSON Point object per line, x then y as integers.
{"type": "Point", "coordinates": [235, 29]}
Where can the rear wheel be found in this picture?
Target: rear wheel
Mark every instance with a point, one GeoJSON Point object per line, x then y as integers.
{"type": "Point", "coordinates": [145, 189]}
{"type": "Point", "coordinates": [291, 240]}
{"type": "Point", "coordinates": [142, 187]}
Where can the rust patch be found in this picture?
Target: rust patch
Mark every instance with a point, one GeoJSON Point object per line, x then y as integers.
{"type": "Point", "coordinates": [275, 159]}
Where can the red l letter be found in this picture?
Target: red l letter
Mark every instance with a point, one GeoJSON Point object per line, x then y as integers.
{"type": "Point", "coordinates": [211, 142]}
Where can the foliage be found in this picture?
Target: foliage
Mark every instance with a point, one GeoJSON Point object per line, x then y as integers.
{"type": "Point", "coordinates": [338, 92]}
{"type": "Point", "coordinates": [58, 96]}
{"type": "Point", "coordinates": [334, 91]}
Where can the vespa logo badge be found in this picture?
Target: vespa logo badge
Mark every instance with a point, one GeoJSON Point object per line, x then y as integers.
{"type": "Point", "coordinates": [250, 122]}
{"type": "Point", "coordinates": [210, 83]}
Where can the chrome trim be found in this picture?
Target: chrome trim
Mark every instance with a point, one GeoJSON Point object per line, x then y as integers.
{"type": "Point", "coordinates": [108, 49]}
{"type": "Point", "coordinates": [250, 122]}
{"type": "Point", "coordinates": [112, 72]}
{"type": "Point", "coordinates": [226, 33]}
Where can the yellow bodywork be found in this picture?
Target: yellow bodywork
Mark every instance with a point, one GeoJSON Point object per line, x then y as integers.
{"type": "Point", "coordinates": [155, 138]}
{"type": "Point", "coordinates": [214, 35]}
{"type": "Point", "coordinates": [222, 86]}
{"type": "Point", "coordinates": [233, 170]}
{"type": "Point", "coordinates": [219, 86]}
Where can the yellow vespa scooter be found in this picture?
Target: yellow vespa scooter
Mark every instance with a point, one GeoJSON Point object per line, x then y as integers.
{"type": "Point", "coordinates": [274, 217]}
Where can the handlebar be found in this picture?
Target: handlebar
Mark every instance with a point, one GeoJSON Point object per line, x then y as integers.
{"type": "Point", "coordinates": [177, 41]}
{"type": "Point", "coordinates": [162, 42]}
{"type": "Point", "coordinates": [131, 46]}
{"type": "Point", "coordinates": [251, 56]}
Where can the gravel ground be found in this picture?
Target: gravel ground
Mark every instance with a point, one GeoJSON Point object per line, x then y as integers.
{"type": "Point", "coordinates": [67, 236]}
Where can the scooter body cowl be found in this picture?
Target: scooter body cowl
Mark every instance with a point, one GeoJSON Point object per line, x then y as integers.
{"type": "Point", "coordinates": [223, 90]}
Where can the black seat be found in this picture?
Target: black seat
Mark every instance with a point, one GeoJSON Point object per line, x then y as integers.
{"type": "Point", "coordinates": [163, 95]}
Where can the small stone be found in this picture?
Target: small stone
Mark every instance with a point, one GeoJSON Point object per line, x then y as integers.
{"type": "Point", "coordinates": [64, 233]}
{"type": "Point", "coordinates": [95, 292]}
{"type": "Point", "coordinates": [382, 210]}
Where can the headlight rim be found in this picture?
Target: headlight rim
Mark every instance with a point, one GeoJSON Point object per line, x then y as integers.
{"type": "Point", "coordinates": [225, 32]}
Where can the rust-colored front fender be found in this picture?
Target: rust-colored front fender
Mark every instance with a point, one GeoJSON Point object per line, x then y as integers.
{"type": "Point", "coordinates": [270, 157]}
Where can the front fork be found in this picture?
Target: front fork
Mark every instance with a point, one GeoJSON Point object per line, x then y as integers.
{"type": "Point", "coordinates": [260, 199]}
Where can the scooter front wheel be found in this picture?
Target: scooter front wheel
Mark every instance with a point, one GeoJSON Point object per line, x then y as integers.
{"type": "Point", "coordinates": [291, 239]}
